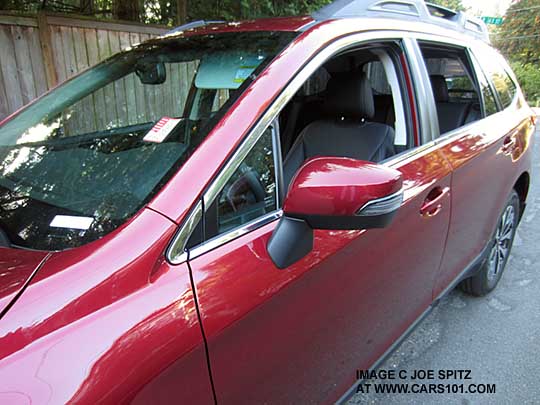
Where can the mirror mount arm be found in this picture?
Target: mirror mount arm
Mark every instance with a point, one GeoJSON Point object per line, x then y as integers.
{"type": "Point", "coordinates": [292, 240]}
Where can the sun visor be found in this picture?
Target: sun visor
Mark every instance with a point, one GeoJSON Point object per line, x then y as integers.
{"type": "Point", "coordinates": [226, 70]}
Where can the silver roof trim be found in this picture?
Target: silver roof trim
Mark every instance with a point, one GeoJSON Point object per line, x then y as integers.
{"type": "Point", "coordinates": [405, 10]}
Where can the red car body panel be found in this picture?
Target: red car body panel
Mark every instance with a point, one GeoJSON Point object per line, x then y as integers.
{"type": "Point", "coordinates": [320, 189]}
{"type": "Point", "coordinates": [16, 268]}
{"type": "Point", "coordinates": [483, 172]}
{"type": "Point", "coordinates": [98, 320]}
{"type": "Point", "coordinates": [299, 319]}
{"type": "Point", "coordinates": [113, 321]}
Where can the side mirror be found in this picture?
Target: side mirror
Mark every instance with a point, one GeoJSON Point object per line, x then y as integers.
{"type": "Point", "coordinates": [334, 193]}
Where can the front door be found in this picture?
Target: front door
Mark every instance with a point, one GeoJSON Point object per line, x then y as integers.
{"type": "Point", "coordinates": [298, 335]}
{"type": "Point", "coordinates": [286, 336]}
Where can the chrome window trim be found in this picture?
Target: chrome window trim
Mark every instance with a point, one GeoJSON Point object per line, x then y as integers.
{"type": "Point", "coordinates": [429, 126]}
{"type": "Point", "coordinates": [278, 164]}
{"type": "Point", "coordinates": [176, 253]}
{"type": "Point", "coordinates": [456, 133]}
{"type": "Point", "coordinates": [407, 156]}
{"type": "Point", "coordinates": [233, 234]}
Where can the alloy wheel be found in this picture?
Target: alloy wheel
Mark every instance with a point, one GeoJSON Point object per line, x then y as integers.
{"type": "Point", "coordinates": [502, 243]}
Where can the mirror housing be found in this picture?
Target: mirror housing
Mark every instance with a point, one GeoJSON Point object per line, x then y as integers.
{"type": "Point", "coordinates": [334, 193]}
{"type": "Point", "coordinates": [151, 73]}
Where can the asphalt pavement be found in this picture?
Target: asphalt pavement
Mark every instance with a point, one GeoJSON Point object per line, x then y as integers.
{"type": "Point", "coordinates": [496, 337]}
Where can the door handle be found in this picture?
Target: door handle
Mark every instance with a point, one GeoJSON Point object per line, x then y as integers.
{"type": "Point", "coordinates": [433, 202]}
{"type": "Point", "coordinates": [509, 144]}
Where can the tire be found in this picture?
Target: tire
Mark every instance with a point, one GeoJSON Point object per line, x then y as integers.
{"type": "Point", "coordinates": [500, 246]}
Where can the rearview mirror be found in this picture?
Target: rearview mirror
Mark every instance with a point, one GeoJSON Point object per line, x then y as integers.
{"type": "Point", "coordinates": [334, 193]}
{"type": "Point", "coordinates": [151, 73]}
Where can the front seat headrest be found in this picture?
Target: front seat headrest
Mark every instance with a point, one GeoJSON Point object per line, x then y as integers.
{"type": "Point", "coordinates": [350, 96]}
{"type": "Point", "coordinates": [440, 88]}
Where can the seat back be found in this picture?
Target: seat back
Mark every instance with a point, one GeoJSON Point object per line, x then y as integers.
{"type": "Point", "coordinates": [451, 115]}
{"type": "Point", "coordinates": [346, 132]}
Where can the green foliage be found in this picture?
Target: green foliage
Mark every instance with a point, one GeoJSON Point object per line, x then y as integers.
{"type": "Point", "coordinates": [456, 5]}
{"type": "Point", "coordinates": [529, 78]}
{"type": "Point", "coordinates": [248, 9]}
{"type": "Point", "coordinates": [165, 11]}
{"type": "Point", "coordinates": [518, 37]}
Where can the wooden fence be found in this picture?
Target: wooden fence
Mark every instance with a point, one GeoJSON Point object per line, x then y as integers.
{"type": "Point", "coordinates": [37, 53]}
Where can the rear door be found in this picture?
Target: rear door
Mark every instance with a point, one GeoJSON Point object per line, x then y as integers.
{"type": "Point", "coordinates": [481, 147]}
{"type": "Point", "coordinates": [298, 335]}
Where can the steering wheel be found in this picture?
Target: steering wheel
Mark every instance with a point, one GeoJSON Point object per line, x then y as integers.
{"type": "Point", "coordinates": [247, 189]}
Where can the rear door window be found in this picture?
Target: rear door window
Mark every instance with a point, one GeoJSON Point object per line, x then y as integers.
{"type": "Point", "coordinates": [453, 84]}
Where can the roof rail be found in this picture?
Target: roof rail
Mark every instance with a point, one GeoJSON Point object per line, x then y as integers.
{"type": "Point", "coordinates": [405, 9]}
{"type": "Point", "coordinates": [192, 25]}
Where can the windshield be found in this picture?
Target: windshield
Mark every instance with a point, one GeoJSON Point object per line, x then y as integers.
{"type": "Point", "coordinates": [86, 157]}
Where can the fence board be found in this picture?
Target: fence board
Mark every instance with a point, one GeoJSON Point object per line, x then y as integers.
{"type": "Point", "coordinates": [119, 85]}
{"type": "Point", "coordinates": [74, 44]}
{"type": "Point", "coordinates": [129, 83]}
{"type": "Point", "coordinates": [87, 104]}
{"type": "Point", "coordinates": [107, 26]}
{"type": "Point", "coordinates": [139, 89]}
{"type": "Point", "coordinates": [38, 67]}
{"type": "Point", "coordinates": [24, 63]}
{"type": "Point", "coordinates": [4, 108]}
{"type": "Point", "coordinates": [75, 121]}
{"type": "Point", "coordinates": [110, 105]}
{"type": "Point", "coordinates": [9, 70]}
{"type": "Point", "coordinates": [58, 53]}
{"type": "Point", "coordinates": [98, 98]}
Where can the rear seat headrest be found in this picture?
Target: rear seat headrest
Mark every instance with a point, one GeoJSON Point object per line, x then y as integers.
{"type": "Point", "coordinates": [350, 95]}
{"type": "Point", "coordinates": [440, 88]}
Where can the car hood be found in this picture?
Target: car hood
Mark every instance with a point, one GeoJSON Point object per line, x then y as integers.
{"type": "Point", "coordinates": [16, 268]}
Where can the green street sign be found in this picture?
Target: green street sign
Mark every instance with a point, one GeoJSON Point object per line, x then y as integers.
{"type": "Point", "coordinates": [493, 20]}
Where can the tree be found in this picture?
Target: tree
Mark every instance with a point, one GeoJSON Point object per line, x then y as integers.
{"type": "Point", "coordinates": [126, 10]}
{"type": "Point", "coordinates": [456, 5]}
{"type": "Point", "coordinates": [247, 9]}
{"type": "Point", "coordinates": [518, 38]}
{"type": "Point", "coordinates": [181, 11]}
{"type": "Point", "coordinates": [529, 79]}
{"type": "Point", "coordinates": [87, 6]}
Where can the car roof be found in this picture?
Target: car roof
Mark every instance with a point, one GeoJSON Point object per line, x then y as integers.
{"type": "Point", "coordinates": [339, 26]}
{"type": "Point", "coordinates": [289, 24]}
{"type": "Point", "coordinates": [405, 11]}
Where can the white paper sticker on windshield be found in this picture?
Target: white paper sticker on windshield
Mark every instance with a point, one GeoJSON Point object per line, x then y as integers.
{"type": "Point", "coordinates": [161, 130]}
{"type": "Point", "coordinates": [70, 222]}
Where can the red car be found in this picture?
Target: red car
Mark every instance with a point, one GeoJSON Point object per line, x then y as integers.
{"type": "Point", "coordinates": [251, 212]}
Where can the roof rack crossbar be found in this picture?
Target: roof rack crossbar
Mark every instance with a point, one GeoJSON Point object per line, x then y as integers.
{"type": "Point", "coordinates": [405, 9]}
{"type": "Point", "coordinates": [440, 11]}
{"type": "Point", "coordinates": [192, 25]}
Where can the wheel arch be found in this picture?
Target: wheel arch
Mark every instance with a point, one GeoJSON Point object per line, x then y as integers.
{"type": "Point", "coordinates": [522, 188]}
